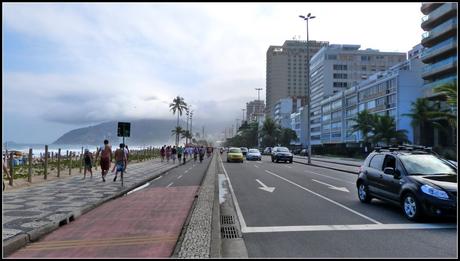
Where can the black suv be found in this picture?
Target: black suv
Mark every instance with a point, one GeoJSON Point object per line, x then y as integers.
{"type": "Point", "coordinates": [281, 153]}
{"type": "Point", "coordinates": [413, 177]}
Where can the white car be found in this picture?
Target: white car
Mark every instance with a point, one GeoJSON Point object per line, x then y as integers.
{"type": "Point", "coordinates": [253, 154]}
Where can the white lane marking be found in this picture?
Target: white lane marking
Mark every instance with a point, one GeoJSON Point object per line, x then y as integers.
{"type": "Point", "coordinates": [344, 189]}
{"type": "Point", "coordinates": [346, 227]}
{"type": "Point", "coordinates": [323, 197]}
{"type": "Point", "coordinates": [179, 177]}
{"type": "Point", "coordinates": [308, 171]}
{"type": "Point", "coordinates": [237, 206]}
{"type": "Point", "coordinates": [169, 184]}
{"type": "Point", "coordinates": [186, 171]}
{"type": "Point", "coordinates": [138, 188]}
{"type": "Point", "coordinates": [256, 166]}
{"type": "Point", "coordinates": [265, 187]}
{"type": "Point", "coordinates": [157, 178]}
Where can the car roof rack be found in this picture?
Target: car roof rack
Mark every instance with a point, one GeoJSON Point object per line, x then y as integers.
{"type": "Point", "coordinates": [406, 147]}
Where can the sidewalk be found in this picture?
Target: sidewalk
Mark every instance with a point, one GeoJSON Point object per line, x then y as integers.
{"type": "Point", "coordinates": [30, 212]}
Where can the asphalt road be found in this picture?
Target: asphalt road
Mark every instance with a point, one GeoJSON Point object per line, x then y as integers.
{"type": "Point", "coordinates": [295, 210]}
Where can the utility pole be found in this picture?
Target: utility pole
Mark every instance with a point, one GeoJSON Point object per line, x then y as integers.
{"type": "Point", "coordinates": [306, 18]}
{"type": "Point", "coordinates": [258, 93]}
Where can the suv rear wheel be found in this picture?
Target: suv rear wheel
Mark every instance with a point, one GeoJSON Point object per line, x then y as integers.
{"type": "Point", "coordinates": [363, 193]}
{"type": "Point", "coordinates": [411, 207]}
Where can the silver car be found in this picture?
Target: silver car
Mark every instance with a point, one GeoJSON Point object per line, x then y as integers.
{"type": "Point", "coordinates": [253, 154]}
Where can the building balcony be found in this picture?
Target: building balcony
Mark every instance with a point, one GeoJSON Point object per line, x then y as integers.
{"type": "Point", "coordinates": [426, 8]}
{"type": "Point", "coordinates": [440, 33]}
{"type": "Point", "coordinates": [437, 16]}
{"type": "Point", "coordinates": [439, 50]}
{"type": "Point", "coordinates": [440, 68]}
{"type": "Point", "coordinates": [428, 88]}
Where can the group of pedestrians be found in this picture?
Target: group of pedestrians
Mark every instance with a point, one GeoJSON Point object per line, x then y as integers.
{"type": "Point", "coordinates": [121, 156]}
{"type": "Point", "coordinates": [182, 153]}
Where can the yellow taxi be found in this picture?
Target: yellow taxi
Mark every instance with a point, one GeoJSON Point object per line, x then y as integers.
{"type": "Point", "coordinates": [234, 154]}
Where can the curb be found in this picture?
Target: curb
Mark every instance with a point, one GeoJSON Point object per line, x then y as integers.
{"type": "Point", "coordinates": [19, 241]}
{"type": "Point", "coordinates": [321, 166]}
{"type": "Point", "coordinates": [333, 162]}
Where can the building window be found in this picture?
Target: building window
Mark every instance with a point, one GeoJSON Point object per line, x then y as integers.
{"type": "Point", "coordinates": [332, 57]}
{"type": "Point", "coordinates": [326, 117]}
{"type": "Point", "coordinates": [371, 104]}
{"type": "Point", "coordinates": [365, 58]}
{"type": "Point", "coordinates": [352, 100]}
{"type": "Point", "coordinates": [340, 76]}
{"type": "Point", "coordinates": [362, 107]}
{"type": "Point", "coordinates": [337, 104]}
{"type": "Point", "coordinates": [337, 115]}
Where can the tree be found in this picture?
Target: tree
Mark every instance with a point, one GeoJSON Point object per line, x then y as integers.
{"type": "Point", "coordinates": [178, 105]}
{"type": "Point", "coordinates": [423, 116]}
{"type": "Point", "coordinates": [177, 131]}
{"type": "Point", "coordinates": [270, 133]}
{"type": "Point", "coordinates": [365, 122]}
{"type": "Point", "coordinates": [449, 92]}
{"type": "Point", "coordinates": [187, 135]}
{"type": "Point", "coordinates": [385, 130]}
{"type": "Point", "coordinates": [286, 136]}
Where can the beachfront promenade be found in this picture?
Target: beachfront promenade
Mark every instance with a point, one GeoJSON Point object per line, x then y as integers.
{"type": "Point", "coordinates": [31, 212]}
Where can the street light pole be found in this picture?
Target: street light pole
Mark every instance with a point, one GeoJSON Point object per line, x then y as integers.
{"type": "Point", "coordinates": [306, 18]}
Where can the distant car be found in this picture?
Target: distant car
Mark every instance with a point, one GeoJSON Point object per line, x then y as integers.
{"type": "Point", "coordinates": [244, 150]}
{"type": "Point", "coordinates": [268, 151]}
{"type": "Point", "coordinates": [253, 154]}
{"type": "Point", "coordinates": [234, 154]}
{"type": "Point", "coordinates": [303, 152]}
{"type": "Point", "coordinates": [417, 180]}
{"type": "Point", "coordinates": [296, 151]}
{"type": "Point", "coordinates": [281, 153]}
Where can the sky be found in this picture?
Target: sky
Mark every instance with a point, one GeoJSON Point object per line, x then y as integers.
{"type": "Point", "coordinates": [72, 65]}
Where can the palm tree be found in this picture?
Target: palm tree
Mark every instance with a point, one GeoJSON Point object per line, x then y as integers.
{"type": "Point", "coordinates": [178, 105]}
{"type": "Point", "coordinates": [177, 131]}
{"type": "Point", "coordinates": [270, 132]}
{"type": "Point", "coordinates": [423, 114]}
{"type": "Point", "coordinates": [187, 135]}
{"type": "Point", "coordinates": [449, 91]}
{"type": "Point", "coordinates": [365, 122]}
{"type": "Point", "coordinates": [385, 130]}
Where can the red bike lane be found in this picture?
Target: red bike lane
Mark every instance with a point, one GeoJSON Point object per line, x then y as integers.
{"type": "Point", "coordinates": [143, 224]}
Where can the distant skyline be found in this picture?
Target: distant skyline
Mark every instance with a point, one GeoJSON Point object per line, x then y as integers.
{"type": "Point", "coordinates": [73, 65]}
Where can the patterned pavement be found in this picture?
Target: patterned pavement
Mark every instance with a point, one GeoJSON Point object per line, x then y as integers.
{"type": "Point", "coordinates": [34, 208]}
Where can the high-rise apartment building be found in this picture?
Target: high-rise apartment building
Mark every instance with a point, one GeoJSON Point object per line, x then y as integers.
{"type": "Point", "coordinates": [287, 72]}
{"type": "Point", "coordinates": [337, 67]}
{"type": "Point", "coordinates": [440, 42]}
{"type": "Point", "coordinates": [254, 110]}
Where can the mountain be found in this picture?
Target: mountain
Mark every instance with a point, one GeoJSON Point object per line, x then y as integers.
{"type": "Point", "coordinates": [148, 132]}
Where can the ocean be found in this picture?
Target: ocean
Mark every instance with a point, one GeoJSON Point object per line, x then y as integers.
{"type": "Point", "coordinates": [38, 149]}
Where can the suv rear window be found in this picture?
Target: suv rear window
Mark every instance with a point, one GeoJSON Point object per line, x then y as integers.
{"type": "Point", "coordinates": [377, 161]}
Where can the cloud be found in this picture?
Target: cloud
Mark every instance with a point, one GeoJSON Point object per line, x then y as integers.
{"type": "Point", "coordinates": [99, 62]}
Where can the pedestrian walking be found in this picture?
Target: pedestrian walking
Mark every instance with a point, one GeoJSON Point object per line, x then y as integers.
{"type": "Point", "coordinates": [168, 153]}
{"type": "Point", "coordinates": [196, 151]}
{"type": "Point", "coordinates": [120, 159]}
{"type": "Point", "coordinates": [106, 158]}
{"type": "Point", "coordinates": [180, 151]}
{"type": "Point", "coordinates": [88, 158]}
{"type": "Point", "coordinates": [174, 154]}
{"type": "Point", "coordinates": [202, 151]}
{"type": "Point", "coordinates": [126, 150]}
{"type": "Point", "coordinates": [163, 153]}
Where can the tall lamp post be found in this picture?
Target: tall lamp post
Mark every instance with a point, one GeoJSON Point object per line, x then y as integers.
{"type": "Point", "coordinates": [306, 18]}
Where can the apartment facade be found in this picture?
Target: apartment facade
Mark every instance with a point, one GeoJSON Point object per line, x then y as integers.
{"type": "Point", "coordinates": [284, 108]}
{"type": "Point", "coordinates": [385, 93]}
{"type": "Point", "coordinates": [254, 110]}
{"type": "Point", "coordinates": [440, 41]}
{"type": "Point", "coordinates": [287, 72]}
{"type": "Point", "coordinates": [338, 67]}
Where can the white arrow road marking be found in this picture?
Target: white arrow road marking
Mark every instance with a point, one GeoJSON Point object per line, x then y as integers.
{"type": "Point", "coordinates": [264, 187]}
{"type": "Point", "coordinates": [344, 189]}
